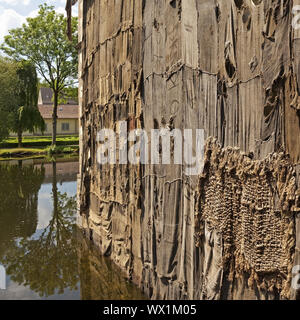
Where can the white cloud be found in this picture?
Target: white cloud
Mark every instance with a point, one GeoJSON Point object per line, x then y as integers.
{"type": "Point", "coordinates": [15, 2]}
{"type": "Point", "coordinates": [45, 214]}
{"type": "Point", "coordinates": [9, 19]}
{"type": "Point", "coordinates": [61, 10]}
{"type": "Point", "coordinates": [33, 13]}
{"type": "Point", "coordinates": [54, 2]}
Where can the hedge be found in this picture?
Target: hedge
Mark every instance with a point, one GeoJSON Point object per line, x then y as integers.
{"type": "Point", "coordinates": [33, 144]}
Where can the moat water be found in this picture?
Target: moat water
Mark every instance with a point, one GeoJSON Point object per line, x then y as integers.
{"type": "Point", "coordinates": [42, 251]}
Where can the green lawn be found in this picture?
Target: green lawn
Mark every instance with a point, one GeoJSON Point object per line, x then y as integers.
{"type": "Point", "coordinates": [72, 138]}
{"type": "Point", "coordinates": [38, 146]}
{"type": "Point", "coordinates": [43, 138]}
{"type": "Point", "coordinates": [40, 142]}
{"type": "Point", "coordinates": [9, 153]}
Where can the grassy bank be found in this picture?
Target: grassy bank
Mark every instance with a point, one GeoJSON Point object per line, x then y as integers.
{"type": "Point", "coordinates": [40, 142]}
{"type": "Point", "coordinates": [28, 152]}
{"type": "Point", "coordinates": [4, 153]}
{"type": "Point", "coordinates": [38, 147]}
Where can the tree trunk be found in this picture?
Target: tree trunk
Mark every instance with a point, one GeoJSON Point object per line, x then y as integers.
{"type": "Point", "coordinates": [55, 200]}
{"type": "Point", "coordinates": [20, 138]}
{"type": "Point", "coordinates": [54, 187]}
{"type": "Point", "coordinates": [54, 117]}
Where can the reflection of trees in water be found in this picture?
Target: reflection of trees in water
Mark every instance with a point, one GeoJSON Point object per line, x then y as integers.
{"type": "Point", "coordinates": [47, 262]}
{"type": "Point", "coordinates": [19, 187]}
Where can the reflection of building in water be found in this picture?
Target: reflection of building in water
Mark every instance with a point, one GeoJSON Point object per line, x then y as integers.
{"type": "Point", "coordinates": [100, 279]}
{"type": "Point", "coordinates": [65, 171]}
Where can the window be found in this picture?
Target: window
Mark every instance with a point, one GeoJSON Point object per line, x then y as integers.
{"type": "Point", "coordinates": [65, 127]}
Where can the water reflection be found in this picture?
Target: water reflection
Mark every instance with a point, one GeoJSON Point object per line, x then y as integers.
{"type": "Point", "coordinates": [19, 189]}
{"type": "Point", "coordinates": [44, 254]}
{"type": "Point", "coordinates": [100, 278]}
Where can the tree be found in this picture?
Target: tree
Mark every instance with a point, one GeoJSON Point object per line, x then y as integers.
{"type": "Point", "coordinates": [27, 116]}
{"type": "Point", "coordinates": [18, 99]}
{"type": "Point", "coordinates": [43, 40]}
{"type": "Point", "coordinates": [7, 94]}
{"type": "Point", "coordinates": [3, 126]}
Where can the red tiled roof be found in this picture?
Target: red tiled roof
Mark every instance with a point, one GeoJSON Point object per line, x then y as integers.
{"type": "Point", "coordinates": [63, 111]}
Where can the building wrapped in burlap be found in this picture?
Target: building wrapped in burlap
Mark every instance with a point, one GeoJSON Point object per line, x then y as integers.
{"type": "Point", "coordinates": [228, 67]}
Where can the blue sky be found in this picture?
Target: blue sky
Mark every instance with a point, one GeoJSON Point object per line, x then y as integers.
{"type": "Point", "coordinates": [14, 12]}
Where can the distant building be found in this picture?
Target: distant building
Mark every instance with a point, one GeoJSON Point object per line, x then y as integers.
{"type": "Point", "coordinates": [45, 98]}
{"type": "Point", "coordinates": [67, 114]}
